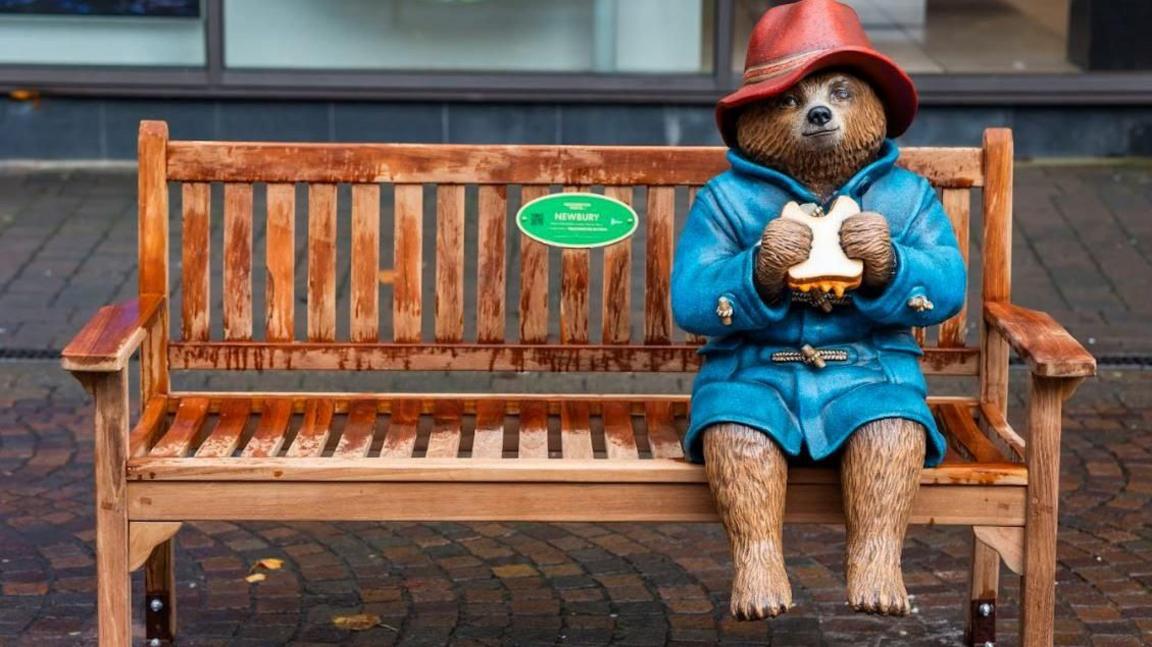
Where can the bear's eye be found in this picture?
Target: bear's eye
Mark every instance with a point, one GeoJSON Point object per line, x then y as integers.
{"type": "Point", "coordinates": [841, 93]}
{"type": "Point", "coordinates": [789, 101]}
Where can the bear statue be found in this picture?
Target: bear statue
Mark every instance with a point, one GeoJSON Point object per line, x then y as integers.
{"type": "Point", "coordinates": [813, 376]}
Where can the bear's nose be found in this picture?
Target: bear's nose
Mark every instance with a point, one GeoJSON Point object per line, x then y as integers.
{"type": "Point", "coordinates": [819, 116]}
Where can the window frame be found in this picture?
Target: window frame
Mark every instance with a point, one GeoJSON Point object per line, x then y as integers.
{"type": "Point", "coordinates": [215, 81]}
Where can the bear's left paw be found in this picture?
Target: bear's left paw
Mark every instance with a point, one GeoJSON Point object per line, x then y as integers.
{"type": "Point", "coordinates": [878, 590]}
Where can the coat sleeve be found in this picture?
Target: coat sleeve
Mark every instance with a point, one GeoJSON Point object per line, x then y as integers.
{"type": "Point", "coordinates": [928, 264]}
{"type": "Point", "coordinates": [710, 264]}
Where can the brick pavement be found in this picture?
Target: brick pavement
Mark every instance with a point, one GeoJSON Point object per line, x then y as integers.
{"type": "Point", "coordinates": [67, 239]}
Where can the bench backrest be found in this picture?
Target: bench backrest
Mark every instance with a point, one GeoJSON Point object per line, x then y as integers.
{"type": "Point", "coordinates": [534, 308]}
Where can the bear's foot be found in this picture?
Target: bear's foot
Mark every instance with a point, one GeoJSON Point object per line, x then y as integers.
{"type": "Point", "coordinates": [878, 589]}
{"type": "Point", "coordinates": [760, 587]}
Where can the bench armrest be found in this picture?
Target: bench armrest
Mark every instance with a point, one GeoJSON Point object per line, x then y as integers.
{"type": "Point", "coordinates": [1042, 342]}
{"type": "Point", "coordinates": [110, 337]}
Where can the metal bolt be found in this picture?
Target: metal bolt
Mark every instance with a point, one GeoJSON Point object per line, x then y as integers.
{"type": "Point", "coordinates": [985, 609]}
{"type": "Point", "coordinates": [155, 642]}
{"type": "Point", "coordinates": [156, 605]}
{"type": "Point", "coordinates": [989, 644]}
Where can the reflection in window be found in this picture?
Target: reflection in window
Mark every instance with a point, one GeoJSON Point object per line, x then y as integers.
{"type": "Point", "coordinates": [644, 36]}
{"type": "Point", "coordinates": [951, 36]}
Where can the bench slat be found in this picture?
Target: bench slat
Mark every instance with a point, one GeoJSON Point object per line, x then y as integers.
{"type": "Point", "coordinates": [575, 431]}
{"type": "Point", "coordinates": [488, 439]}
{"type": "Point", "coordinates": [444, 441]}
{"type": "Point", "coordinates": [533, 430]}
{"type": "Point", "coordinates": [693, 191]}
{"type": "Point", "coordinates": [150, 424]}
{"type": "Point", "coordinates": [359, 428]}
{"type": "Point", "coordinates": [364, 275]}
{"type": "Point", "coordinates": [961, 426]}
{"type": "Point", "coordinates": [575, 267]}
{"type": "Point", "coordinates": [314, 431]}
{"type": "Point", "coordinates": [280, 255]}
{"type": "Point", "coordinates": [958, 204]}
{"type": "Point", "coordinates": [619, 437]}
{"type": "Point", "coordinates": [401, 437]}
{"type": "Point", "coordinates": [662, 438]}
{"type": "Point", "coordinates": [657, 301]}
{"type": "Point", "coordinates": [195, 316]}
{"type": "Point", "coordinates": [270, 432]}
{"type": "Point", "coordinates": [322, 262]}
{"type": "Point", "coordinates": [185, 426]}
{"type": "Point", "coordinates": [449, 263]}
{"type": "Point", "coordinates": [491, 279]}
{"type": "Point", "coordinates": [617, 293]}
{"type": "Point", "coordinates": [229, 427]}
{"type": "Point", "coordinates": [406, 291]}
{"type": "Point", "coordinates": [533, 279]}
{"type": "Point", "coordinates": [237, 310]}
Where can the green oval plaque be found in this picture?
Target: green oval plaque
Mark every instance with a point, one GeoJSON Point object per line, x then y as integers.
{"type": "Point", "coordinates": [577, 220]}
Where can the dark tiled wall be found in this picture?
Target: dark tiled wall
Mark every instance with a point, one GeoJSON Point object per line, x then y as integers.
{"type": "Point", "coordinates": [60, 128]}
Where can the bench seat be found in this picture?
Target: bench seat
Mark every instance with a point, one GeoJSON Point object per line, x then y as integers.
{"type": "Point", "coordinates": [546, 457]}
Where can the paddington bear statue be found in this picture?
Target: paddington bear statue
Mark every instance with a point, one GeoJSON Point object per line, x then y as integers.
{"type": "Point", "coordinates": [811, 376]}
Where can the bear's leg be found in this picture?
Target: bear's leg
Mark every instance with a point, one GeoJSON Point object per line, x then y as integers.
{"type": "Point", "coordinates": [880, 475]}
{"type": "Point", "coordinates": [749, 476]}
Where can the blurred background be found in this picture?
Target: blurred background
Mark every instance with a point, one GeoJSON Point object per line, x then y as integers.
{"type": "Point", "coordinates": [1074, 77]}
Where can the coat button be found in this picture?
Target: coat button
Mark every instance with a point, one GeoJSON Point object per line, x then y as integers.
{"type": "Point", "coordinates": [724, 310]}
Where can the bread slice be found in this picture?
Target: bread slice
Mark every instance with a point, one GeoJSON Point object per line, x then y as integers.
{"type": "Point", "coordinates": [827, 269]}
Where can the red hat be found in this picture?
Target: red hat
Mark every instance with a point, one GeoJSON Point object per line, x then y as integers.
{"type": "Point", "coordinates": [794, 40]}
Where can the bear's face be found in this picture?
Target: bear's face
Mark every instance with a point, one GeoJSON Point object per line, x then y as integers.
{"type": "Point", "coordinates": [821, 131]}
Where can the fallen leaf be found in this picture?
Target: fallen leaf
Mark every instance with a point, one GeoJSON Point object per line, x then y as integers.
{"type": "Point", "coordinates": [269, 563]}
{"type": "Point", "coordinates": [256, 577]}
{"type": "Point", "coordinates": [358, 622]}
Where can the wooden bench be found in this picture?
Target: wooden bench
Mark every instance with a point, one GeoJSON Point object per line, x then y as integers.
{"type": "Point", "coordinates": [486, 456]}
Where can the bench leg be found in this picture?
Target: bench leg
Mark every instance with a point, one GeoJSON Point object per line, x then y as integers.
{"type": "Point", "coordinates": [113, 582]}
{"type": "Point", "coordinates": [159, 596]}
{"type": "Point", "coordinates": [1038, 600]}
{"type": "Point", "coordinates": [983, 589]}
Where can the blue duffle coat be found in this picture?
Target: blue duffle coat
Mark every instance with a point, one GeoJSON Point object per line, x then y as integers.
{"type": "Point", "coordinates": [811, 412]}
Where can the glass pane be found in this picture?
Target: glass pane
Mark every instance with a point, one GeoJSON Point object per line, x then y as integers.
{"type": "Point", "coordinates": [470, 35]}
{"type": "Point", "coordinates": [952, 36]}
{"type": "Point", "coordinates": [102, 32]}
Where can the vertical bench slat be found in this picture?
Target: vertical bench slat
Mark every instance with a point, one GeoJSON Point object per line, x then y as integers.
{"type": "Point", "coordinates": [280, 253]}
{"type": "Point", "coordinates": [999, 167]}
{"type": "Point", "coordinates": [359, 427]}
{"type": "Point", "coordinates": [449, 263]}
{"type": "Point", "coordinates": [692, 193]}
{"type": "Point", "coordinates": [533, 430]}
{"type": "Point", "coordinates": [315, 429]}
{"type": "Point", "coordinates": [270, 432]}
{"type": "Point", "coordinates": [575, 430]}
{"type": "Point", "coordinates": [229, 427]}
{"type": "Point", "coordinates": [617, 305]}
{"type": "Point", "coordinates": [657, 303]}
{"type": "Point", "coordinates": [662, 437]}
{"type": "Point", "coordinates": [491, 279]}
{"type": "Point", "coordinates": [406, 296]}
{"type": "Point", "coordinates": [237, 262]}
{"type": "Point", "coordinates": [322, 262]}
{"type": "Point", "coordinates": [189, 418]}
{"type": "Point", "coordinates": [488, 439]}
{"type": "Point", "coordinates": [533, 280]}
{"type": "Point", "coordinates": [444, 441]}
{"type": "Point", "coordinates": [401, 437]}
{"type": "Point", "coordinates": [619, 437]}
{"type": "Point", "coordinates": [957, 202]}
{"type": "Point", "coordinates": [365, 271]}
{"type": "Point", "coordinates": [575, 267]}
{"type": "Point", "coordinates": [195, 256]}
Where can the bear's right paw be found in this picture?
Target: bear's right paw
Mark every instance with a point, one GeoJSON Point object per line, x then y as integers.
{"type": "Point", "coordinates": [761, 590]}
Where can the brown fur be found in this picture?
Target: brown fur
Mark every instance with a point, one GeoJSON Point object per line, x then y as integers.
{"type": "Point", "coordinates": [865, 236]}
{"type": "Point", "coordinates": [784, 243]}
{"type": "Point", "coordinates": [767, 132]}
{"type": "Point", "coordinates": [880, 475]}
{"type": "Point", "coordinates": [748, 475]}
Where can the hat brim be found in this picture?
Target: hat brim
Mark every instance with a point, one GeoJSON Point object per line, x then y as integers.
{"type": "Point", "coordinates": [895, 87]}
